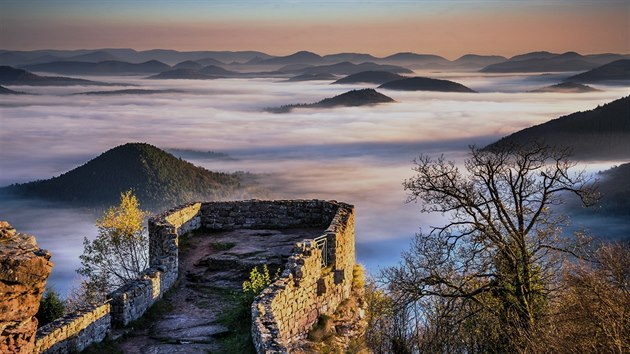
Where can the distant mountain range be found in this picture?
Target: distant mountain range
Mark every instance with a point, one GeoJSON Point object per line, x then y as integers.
{"type": "Point", "coordinates": [185, 74]}
{"type": "Point", "coordinates": [13, 76]}
{"type": "Point", "coordinates": [301, 57]}
{"type": "Point", "coordinates": [189, 64]}
{"type": "Point", "coordinates": [474, 60]}
{"type": "Point", "coordinates": [425, 84]}
{"type": "Point", "coordinates": [202, 73]}
{"type": "Point", "coordinates": [313, 77]}
{"type": "Point", "coordinates": [566, 87]}
{"type": "Point", "coordinates": [409, 58]}
{"type": "Point", "coordinates": [157, 178]}
{"type": "Point", "coordinates": [300, 72]}
{"type": "Point", "coordinates": [372, 77]}
{"type": "Point", "coordinates": [109, 67]}
{"type": "Point", "coordinates": [126, 92]}
{"type": "Point", "coordinates": [171, 57]}
{"type": "Point", "coordinates": [546, 62]}
{"type": "Point", "coordinates": [351, 57]}
{"type": "Point", "coordinates": [601, 133]}
{"type": "Point", "coordinates": [218, 71]}
{"type": "Point", "coordinates": [352, 98]}
{"type": "Point", "coordinates": [618, 70]}
{"type": "Point", "coordinates": [129, 61]}
{"type": "Point", "coordinates": [347, 68]}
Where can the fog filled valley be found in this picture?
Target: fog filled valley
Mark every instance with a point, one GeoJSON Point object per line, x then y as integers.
{"type": "Point", "coordinates": [359, 155]}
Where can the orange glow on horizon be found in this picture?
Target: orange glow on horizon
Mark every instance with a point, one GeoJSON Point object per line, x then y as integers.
{"type": "Point", "coordinates": [451, 35]}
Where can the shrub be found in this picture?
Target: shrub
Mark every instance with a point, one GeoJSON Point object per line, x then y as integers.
{"type": "Point", "coordinates": [51, 307]}
{"type": "Point", "coordinates": [257, 282]}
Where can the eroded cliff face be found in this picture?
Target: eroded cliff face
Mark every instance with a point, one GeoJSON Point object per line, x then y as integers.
{"type": "Point", "coordinates": [24, 268]}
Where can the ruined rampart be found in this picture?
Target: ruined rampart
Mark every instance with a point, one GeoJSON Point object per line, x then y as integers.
{"type": "Point", "coordinates": [317, 277]}
{"type": "Point", "coordinates": [309, 287]}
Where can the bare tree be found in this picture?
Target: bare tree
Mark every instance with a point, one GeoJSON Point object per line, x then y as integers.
{"type": "Point", "coordinates": [592, 310]}
{"type": "Point", "coordinates": [485, 277]}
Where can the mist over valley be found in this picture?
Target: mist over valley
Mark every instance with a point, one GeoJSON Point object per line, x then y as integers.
{"type": "Point", "coordinates": [358, 155]}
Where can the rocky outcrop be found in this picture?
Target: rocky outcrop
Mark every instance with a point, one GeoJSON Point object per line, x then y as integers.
{"type": "Point", "coordinates": [24, 268]}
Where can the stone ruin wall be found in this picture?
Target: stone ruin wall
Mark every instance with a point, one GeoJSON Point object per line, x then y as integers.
{"type": "Point", "coordinates": [76, 331]}
{"type": "Point", "coordinates": [304, 287]}
{"type": "Point", "coordinates": [285, 311]}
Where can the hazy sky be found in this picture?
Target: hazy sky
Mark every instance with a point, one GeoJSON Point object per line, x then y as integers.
{"type": "Point", "coordinates": [449, 28]}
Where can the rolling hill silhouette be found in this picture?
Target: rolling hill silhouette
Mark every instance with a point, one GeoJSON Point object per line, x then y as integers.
{"type": "Point", "coordinates": [157, 178]}
{"type": "Point", "coordinates": [13, 76]}
{"type": "Point", "coordinates": [188, 64]}
{"type": "Point", "coordinates": [108, 67]}
{"type": "Point", "coordinates": [347, 68]}
{"type": "Point", "coordinates": [601, 133]}
{"type": "Point", "coordinates": [352, 98]}
{"type": "Point", "coordinates": [566, 87]}
{"type": "Point", "coordinates": [618, 70]}
{"type": "Point", "coordinates": [569, 61]}
{"type": "Point", "coordinates": [183, 74]}
{"type": "Point", "coordinates": [425, 84]}
{"type": "Point", "coordinates": [372, 77]}
{"type": "Point", "coordinates": [301, 57]}
{"type": "Point", "coordinates": [313, 77]}
{"type": "Point", "coordinates": [6, 91]}
{"type": "Point", "coordinates": [217, 71]}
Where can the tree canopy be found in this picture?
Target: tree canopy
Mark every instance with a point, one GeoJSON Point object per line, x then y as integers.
{"type": "Point", "coordinates": [120, 250]}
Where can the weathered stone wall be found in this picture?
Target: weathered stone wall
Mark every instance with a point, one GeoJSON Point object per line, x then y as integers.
{"type": "Point", "coordinates": [284, 312]}
{"type": "Point", "coordinates": [24, 268]}
{"type": "Point", "coordinates": [75, 332]}
{"type": "Point", "coordinates": [266, 214]}
{"type": "Point", "coordinates": [132, 300]}
{"type": "Point", "coordinates": [164, 230]}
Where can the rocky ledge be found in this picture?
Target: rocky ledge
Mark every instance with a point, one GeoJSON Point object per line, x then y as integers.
{"type": "Point", "coordinates": [24, 268]}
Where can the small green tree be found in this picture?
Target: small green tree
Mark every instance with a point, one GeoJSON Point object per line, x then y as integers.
{"type": "Point", "coordinates": [120, 251]}
{"type": "Point", "coordinates": [51, 307]}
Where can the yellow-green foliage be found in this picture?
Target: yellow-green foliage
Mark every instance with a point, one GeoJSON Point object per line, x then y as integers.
{"type": "Point", "coordinates": [124, 220]}
{"type": "Point", "coordinates": [358, 277]}
{"type": "Point", "coordinates": [118, 253]}
{"type": "Point", "coordinates": [257, 281]}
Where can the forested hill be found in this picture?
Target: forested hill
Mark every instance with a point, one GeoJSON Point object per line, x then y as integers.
{"type": "Point", "coordinates": [600, 133]}
{"type": "Point", "coordinates": [615, 189]}
{"type": "Point", "coordinates": [354, 98]}
{"type": "Point", "coordinates": [158, 178]}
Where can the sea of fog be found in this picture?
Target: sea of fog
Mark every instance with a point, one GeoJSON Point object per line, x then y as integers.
{"type": "Point", "coordinates": [357, 155]}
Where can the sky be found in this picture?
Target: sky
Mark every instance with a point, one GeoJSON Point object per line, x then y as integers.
{"type": "Point", "coordinates": [449, 28]}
